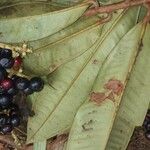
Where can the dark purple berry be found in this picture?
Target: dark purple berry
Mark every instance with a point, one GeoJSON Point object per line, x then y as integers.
{"type": "Point", "coordinates": [36, 84]}
{"type": "Point", "coordinates": [3, 73]}
{"type": "Point", "coordinates": [12, 91]}
{"type": "Point", "coordinates": [147, 135]}
{"type": "Point", "coordinates": [3, 119]}
{"type": "Point", "coordinates": [5, 100]}
{"type": "Point", "coordinates": [6, 84]}
{"type": "Point", "coordinates": [7, 62]}
{"type": "Point", "coordinates": [22, 83]}
{"type": "Point", "coordinates": [28, 91]}
{"type": "Point", "coordinates": [6, 129]}
{"type": "Point", "coordinates": [7, 53]}
{"type": "Point", "coordinates": [15, 120]}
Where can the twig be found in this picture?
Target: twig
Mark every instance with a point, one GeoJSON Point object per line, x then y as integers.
{"type": "Point", "coordinates": [116, 6]}
{"type": "Point", "coordinates": [7, 140]}
{"type": "Point", "coordinates": [19, 130]}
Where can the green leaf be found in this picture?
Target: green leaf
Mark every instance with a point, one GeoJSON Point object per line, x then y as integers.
{"type": "Point", "coordinates": [135, 100]}
{"type": "Point", "coordinates": [94, 120]}
{"type": "Point", "coordinates": [51, 101]}
{"type": "Point", "coordinates": [40, 145]}
{"type": "Point", "coordinates": [26, 21]}
{"type": "Point", "coordinates": [142, 13]}
{"type": "Point", "coordinates": [62, 47]}
{"type": "Point", "coordinates": [53, 105]}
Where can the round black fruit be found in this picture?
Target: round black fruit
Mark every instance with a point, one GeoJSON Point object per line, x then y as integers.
{"type": "Point", "coordinates": [7, 62]}
{"type": "Point", "coordinates": [6, 129]}
{"type": "Point", "coordinates": [15, 120]}
{"type": "Point", "coordinates": [22, 83]}
{"type": "Point", "coordinates": [28, 91]}
{"type": "Point", "coordinates": [12, 91]}
{"type": "Point", "coordinates": [3, 73]}
{"type": "Point", "coordinates": [3, 119]}
{"type": "Point", "coordinates": [5, 100]}
{"type": "Point", "coordinates": [7, 53]}
{"type": "Point", "coordinates": [36, 84]}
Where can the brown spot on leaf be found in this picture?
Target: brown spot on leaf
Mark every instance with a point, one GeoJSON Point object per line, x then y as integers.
{"type": "Point", "coordinates": [92, 112]}
{"type": "Point", "coordinates": [111, 96]}
{"type": "Point", "coordinates": [58, 142]}
{"type": "Point", "coordinates": [52, 67]}
{"type": "Point", "coordinates": [141, 45]}
{"type": "Point", "coordinates": [97, 97]}
{"type": "Point", "coordinates": [86, 127]}
{"type": "Point", "coordinates": [95, 61]}
{"type": "Point", "coordinates": [115, 86]}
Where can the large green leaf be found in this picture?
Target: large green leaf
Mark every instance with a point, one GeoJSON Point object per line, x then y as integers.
{"type": "Point", "coordinates": [50, 53]}
{"type": "Point", "coordinates": [53, 105]}
{"type": "Point", "coordinates": [26, 21]}
{"type": "Point", "coordinates": [135, 100]}
{"type": "Point", "coordinates": [81, 25]}
{"type": "Point", "coordinates": [40, 145]}
{"type": "Point", "coordinates": [94, 120]}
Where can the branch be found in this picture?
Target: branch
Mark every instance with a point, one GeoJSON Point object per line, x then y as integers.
{"type": "Point", "coordinates": [7, 140]}
{"type": "Point", "coordinates": [116, 6]}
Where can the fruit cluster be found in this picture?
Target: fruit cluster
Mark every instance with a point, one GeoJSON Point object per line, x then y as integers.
{"type": "Point", "coordinates": [147, 125]}
{"type": "Point", "coordinates": [10, 86]}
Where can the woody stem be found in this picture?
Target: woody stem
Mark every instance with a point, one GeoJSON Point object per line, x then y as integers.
{"type": "Point", "coordinates": [116, 6]}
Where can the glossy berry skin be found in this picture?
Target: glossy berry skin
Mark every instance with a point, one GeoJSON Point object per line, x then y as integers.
{"type": "Point", "coordinates": [6, 84]}
{"type": "Point", "coordinates": [17, 63]}
{"type": "Point", "coordinates": [28, 91]}
{"type": "Point", "coordinates": [5, 100]}
{"type": "Point", "coordinates": [15, 120]}
{"type": "Point", "coordinates": [12, 91]}
{"type": "Point", "coordinates": [3, 73]}
{"type": "Point", "coordinates": [7, 62]}
{"type": "Point", "coordinates": [36, 84]}
{"type": "Point", "coordinates": [3, 119]}
{"type": "Point", "coordinates": [22, 83]}
{"type": "Point", "coordinates": [6, 129]}
{"type": "Point", "coordinates": [7, 53]}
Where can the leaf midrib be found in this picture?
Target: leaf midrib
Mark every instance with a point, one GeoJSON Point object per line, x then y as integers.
{"type": "Point", "coordinates": [91, 27]}
{"type": "Point", "coordinates": [125, 82]}
{"type": "Point", "coordinates": [101, 41]}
